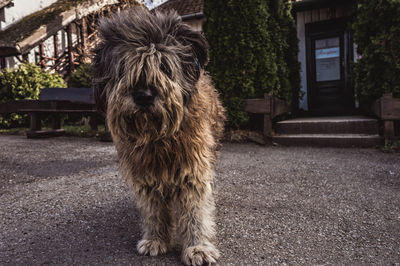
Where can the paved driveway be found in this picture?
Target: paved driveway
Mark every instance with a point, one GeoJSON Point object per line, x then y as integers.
{"type": "Point", "coordinates": [62, 201]}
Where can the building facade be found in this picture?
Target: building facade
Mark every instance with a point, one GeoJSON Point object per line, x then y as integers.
{"type": "Point", "coordinates": [54, 34]}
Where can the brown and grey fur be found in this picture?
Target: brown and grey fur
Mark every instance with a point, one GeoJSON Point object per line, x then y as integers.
{"type": "Point", "coordinates": [167, 151]}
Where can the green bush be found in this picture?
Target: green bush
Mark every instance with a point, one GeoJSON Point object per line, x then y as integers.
{"type": "Point", "coordinates": [81, 77]}
{"type": "Point", "coordinates": [377, 34]}
{"type": "Point", "coordinates": [24, 82]}
{"type": "Point", "coordinates": [253, 50]}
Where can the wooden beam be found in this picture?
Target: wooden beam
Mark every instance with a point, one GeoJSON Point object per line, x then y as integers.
{"type": "Point", "coordinates": [257, 106]}
{"type": "Point", "coordinates": [28, 106]}
{"type": "Point", "coordinates": [83, 35]}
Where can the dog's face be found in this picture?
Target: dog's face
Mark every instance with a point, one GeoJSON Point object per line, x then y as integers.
{"type": "Point", "coordinates": [145, 70]}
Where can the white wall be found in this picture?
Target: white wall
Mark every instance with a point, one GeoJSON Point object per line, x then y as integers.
{"type": "Point", "coordinates": [21, 9]}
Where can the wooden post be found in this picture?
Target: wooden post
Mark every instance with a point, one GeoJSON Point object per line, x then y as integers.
{"type": "Point", "coordinates": [387, 109]}
{"type": "Point", "coordinates": [42, 63]}
{"type": "Point", "coordinates": [93, 122]}
{"type": "Point", "coordinates": [83, 33]}
{"type": "Point", "coordinates": [56, 121]}
{"type": "Point", "coordinates": [388, 126]}
{"type": "Point", "coordinates": [55, 44]}
{"type": "Point", "coordinates": [268, 116]}
{"type": "Point", "coordinates": [36, 123]}
{"type": "Point", "coordinates": [70, 54]}
{"type": "Point", "coordinates": [106, 136]}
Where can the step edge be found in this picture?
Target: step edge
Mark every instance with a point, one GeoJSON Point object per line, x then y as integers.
{"type": "Point", "coordinates": [360, 136]}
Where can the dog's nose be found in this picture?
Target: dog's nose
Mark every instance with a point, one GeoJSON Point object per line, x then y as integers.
{"type": "Point", "coordinates": [143, 98]}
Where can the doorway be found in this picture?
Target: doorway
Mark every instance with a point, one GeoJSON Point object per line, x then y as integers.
{"type": "Point", "coordinates": [329, 51]}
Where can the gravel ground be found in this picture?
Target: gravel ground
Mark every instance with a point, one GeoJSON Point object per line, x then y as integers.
{"type": "Point", "coordinates": [62, 201]}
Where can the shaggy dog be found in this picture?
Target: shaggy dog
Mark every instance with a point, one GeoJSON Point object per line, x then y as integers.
{"type": "Point", "coordinates": [165, 120]}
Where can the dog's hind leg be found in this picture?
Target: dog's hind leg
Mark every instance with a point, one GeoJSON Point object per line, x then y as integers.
{"type": "Point", "coordinates": [195, 226]}
{"type": "Point", "coordinates": [157, 226]}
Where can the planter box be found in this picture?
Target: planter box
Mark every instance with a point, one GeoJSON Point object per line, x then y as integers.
{"type": "Point", "coordinates": [270, 107]}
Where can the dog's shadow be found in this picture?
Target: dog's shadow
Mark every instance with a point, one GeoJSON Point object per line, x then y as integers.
{"type": "Point", "coordinates": [92, 236]}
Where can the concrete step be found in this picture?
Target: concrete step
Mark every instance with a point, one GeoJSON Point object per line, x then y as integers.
{"type": "Point", "coordinates": [329, 125]}
{"type": "Point", "coordinates": [329, 140]}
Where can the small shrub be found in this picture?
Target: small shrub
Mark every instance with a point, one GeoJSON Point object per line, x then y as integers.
{"type": "Point", "coordinates": [81, 77]}
{"type": "Point", "coordinates": [24, 82]}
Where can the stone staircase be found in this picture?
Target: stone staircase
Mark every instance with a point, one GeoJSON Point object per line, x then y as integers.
{"type": "Point", "coordinates": [340, 131]}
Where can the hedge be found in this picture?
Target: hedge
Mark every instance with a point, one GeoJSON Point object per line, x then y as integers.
{"type": "Point", "coordinates": [253, 50]}
{"type": "Point", "coordinates": [377, 35]}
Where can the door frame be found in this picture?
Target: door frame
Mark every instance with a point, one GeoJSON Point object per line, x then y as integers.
{"type": "Point", "coordinates": [326, 29]}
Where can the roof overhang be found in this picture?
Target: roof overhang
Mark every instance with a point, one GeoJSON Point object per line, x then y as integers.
{"type": "Point", "coordinates": [4, 3]}
{"type": "Point", "coordinates": [304, 5]}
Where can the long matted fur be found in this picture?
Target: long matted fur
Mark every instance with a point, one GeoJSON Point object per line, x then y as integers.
{"type": "Point", "coordinates": [168, 147]}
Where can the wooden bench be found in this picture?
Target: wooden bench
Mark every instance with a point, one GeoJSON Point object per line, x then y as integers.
{"type": "Point", "coordinates": [54, 102]}
{"type": "Point", "coordinates": [387, 109]}
{"type": "Point", "coordinates": [270, 107]}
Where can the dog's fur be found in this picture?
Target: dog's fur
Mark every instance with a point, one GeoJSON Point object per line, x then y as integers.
{"type": "Point", "coordinates": [167, 151]}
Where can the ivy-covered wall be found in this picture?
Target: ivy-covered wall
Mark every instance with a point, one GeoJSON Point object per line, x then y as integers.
{"type": "Point", "coordinates": [377, 35]}
{"type": "Point", "coordinates": [253, 50]}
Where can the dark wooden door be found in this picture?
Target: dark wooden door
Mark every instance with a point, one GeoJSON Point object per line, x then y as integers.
{"type": "Point", "coordinates": [329, 52]}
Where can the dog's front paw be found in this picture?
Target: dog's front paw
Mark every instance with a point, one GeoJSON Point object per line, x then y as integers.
{"type": "Point", "coordinates": [200, 255]}
{"type": "Point", "coordinates": [152, 247]}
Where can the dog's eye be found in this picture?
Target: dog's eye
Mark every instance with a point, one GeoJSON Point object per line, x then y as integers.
{"type": "Point", "coordinates": [166, 70]}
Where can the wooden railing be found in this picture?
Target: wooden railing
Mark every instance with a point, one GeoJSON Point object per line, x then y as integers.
{"type": "Point", "coordinates": [387, 109]}
{"type": "Point", "coordinates": [270, 107]}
